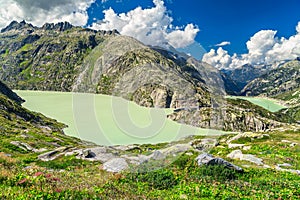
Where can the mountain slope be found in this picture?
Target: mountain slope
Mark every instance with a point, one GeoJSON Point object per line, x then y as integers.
{"type": "Point", "coordinates": [45, 58]}
{"type": "Point", "coordinates": [65, 58]}
{"type": "Point", "coordinates": [10, 94]}
{"type": "Point", "coordinates": [61, 57]}
{"type": "Point", "coordinates": [15, 118]}
{"type": "Point", "coordinates": [236, 79]}
{"type": "Point", "coordinates": [279, 80]}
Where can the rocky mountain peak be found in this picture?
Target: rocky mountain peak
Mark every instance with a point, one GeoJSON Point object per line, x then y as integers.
{"type": "Point", "coordinates": [61, 26]}
{"type": "Point", "coordinates": [14, 25]}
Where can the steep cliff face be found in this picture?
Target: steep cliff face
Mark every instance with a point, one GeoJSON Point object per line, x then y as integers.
{"type": "Point", "coordinates": [233, 115]}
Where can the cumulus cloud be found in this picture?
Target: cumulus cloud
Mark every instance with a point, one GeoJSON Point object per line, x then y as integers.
{"type": "Point", "coordinates": [224, 43]}
{"type": "Point", "coordinates": [264, 47]}
{"type": "Point", "coordinates": [42, 11]}
{"type": "Point", "coordinates": [153, 26]}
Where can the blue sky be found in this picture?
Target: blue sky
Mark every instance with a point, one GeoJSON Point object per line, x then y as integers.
{"type": "Point", "coordinates": [220, 20]}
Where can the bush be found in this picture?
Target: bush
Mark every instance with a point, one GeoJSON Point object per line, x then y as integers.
{"type": "Point", "coordinates": [161, 179]}
{"type": "Point", "coordinates": [217, 172]}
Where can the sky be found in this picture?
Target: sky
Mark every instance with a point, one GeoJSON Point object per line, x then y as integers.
{"type": "Point", "coordinates": [224, 33]}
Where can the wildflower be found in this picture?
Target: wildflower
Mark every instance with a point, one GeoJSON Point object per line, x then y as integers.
{"type": "Point", "coordinates": [58, 190]}
{"type": "Point", "coordinates": [38, 173]}
{"type": "Point", "coordinates": [47, 175]}
{"type": "Point", "coordinates": [24, 180]}
{"type": "Point", "coordinates": [55, 179]}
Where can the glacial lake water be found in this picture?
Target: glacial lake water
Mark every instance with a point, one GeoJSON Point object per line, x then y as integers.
{"type": "Point", "coordinates": [108, 120]}
{"type": "Point", "coordinates": [270, 104]}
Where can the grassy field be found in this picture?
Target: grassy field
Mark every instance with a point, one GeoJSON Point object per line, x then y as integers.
{"type": "Point", "coordinates": [270, 104]}
{"type": "Point", "coordinates": [24, 177]}
{"type": "Point", "coordinates": [108, 120]}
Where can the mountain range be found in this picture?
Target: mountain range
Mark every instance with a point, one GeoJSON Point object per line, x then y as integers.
{"type": "Point", "coordinates": [62, 57]}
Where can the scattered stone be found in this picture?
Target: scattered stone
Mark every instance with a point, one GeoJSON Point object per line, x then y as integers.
{"type": "Point", "coordinates": [207, 159]}
{"type": "Point", "coordinates": [293, 144]}
{"type": "Point", "coordinates": [125, 147]}
{"type": "Point", "coordinates": [115, 165]}
{"type": "Point", "coordinates": [246, 148]}
{"type": "Point", "coordinates": [189, 154]}
{"type": "Point", "coordinates": [295, 171]}
{"type": "Point", "coordinates": [94, 154]}
{"type": "Point", "coordinates": [284, 165]}
{"type": "Point", "coordinates": [51, 155]}
{"type": "Point", "coordinates": [183, 196]}
{"type": "Point", "coordinates": [157, 155]}
{"type": "Point", "coordinates": [18, 144]}
{"type": "Point", "coordinates": [40, 150]}
{"type": "Point", "coordinates": [286, 141]}
{"type": "Point", "coordinates": [87, 153]}
{"type": "Point", "coordinates": [203, 144]}
{"type": "Point", "coordinates": [176, 149]}
{"type": "Point", "coordinates": [237, 154]}
{"type": "Point", "coordinates": [27, 147]}
{"type": "Point", "coordinates": [231, 146]}
{"type": "Point", "coordinates": [266, 166]}
{"type": "Point", "coordinates": [249, 135]}
{"type": "Point", "coordinates": [136, 160]}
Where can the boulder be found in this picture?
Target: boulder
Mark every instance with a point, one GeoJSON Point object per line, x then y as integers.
{"type": "Point", "coordinates": [237, 154]}
{"type": "Point", "coordinates": [208, 159]}
{"type": "Point", "coordinates": [115, 165]}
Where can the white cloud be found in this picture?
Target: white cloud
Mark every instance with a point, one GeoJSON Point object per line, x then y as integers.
{"type": "Point", "coordinates": [42, 11]}
{"type": "Point", "coordinates": [217, 58]}
{"type": "Point", "coordinates": [152, 26]}
{"type": "Point", "coordinates": [263, 48]}
{"type": "Point", "coordinates": [224, 43]}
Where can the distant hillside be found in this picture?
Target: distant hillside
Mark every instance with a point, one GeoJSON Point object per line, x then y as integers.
{"type": "Point", "coordinates": [283, 79]}
{"type": "Point", "coordinates": [236, 79]}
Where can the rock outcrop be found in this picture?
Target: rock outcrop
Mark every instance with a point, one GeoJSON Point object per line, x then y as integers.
{"type": "Point", "coordinates": [207, 159]}
{"type": "Point", "coordinates": [10, 94]}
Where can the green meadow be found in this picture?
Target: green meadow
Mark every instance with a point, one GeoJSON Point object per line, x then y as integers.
{"type": "Point", "coordinates": [108, 120]}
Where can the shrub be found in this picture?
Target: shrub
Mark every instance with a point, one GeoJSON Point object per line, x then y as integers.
{"type": "Point", "coordinates": [217, 172]}
{"type": "Point", "coordinates": [161, 179]}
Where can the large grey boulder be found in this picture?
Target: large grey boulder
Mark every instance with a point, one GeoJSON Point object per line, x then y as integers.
{"type": "Point", "coordinates": [237, 154]}
{"type": "Point", "coordinates": [208, 159]}
{"type": "Point", "coordinates": [115, 165]}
